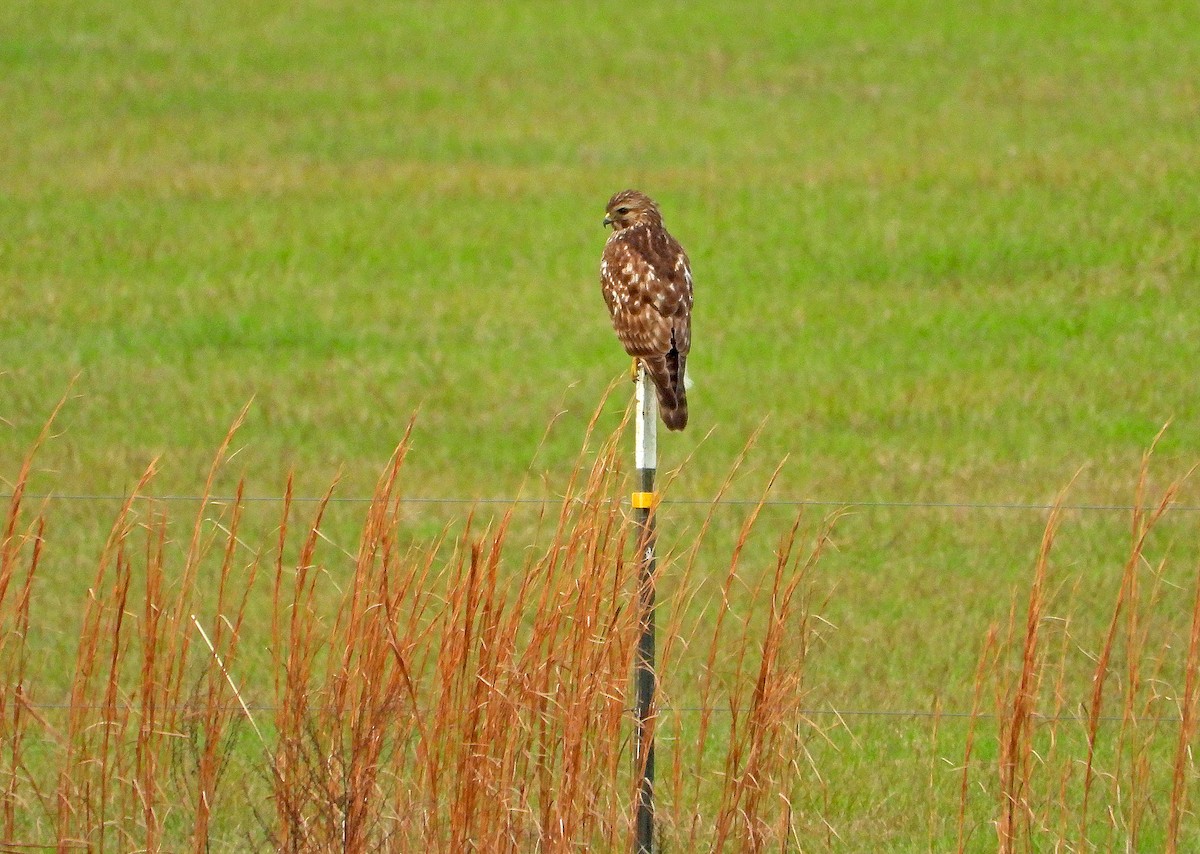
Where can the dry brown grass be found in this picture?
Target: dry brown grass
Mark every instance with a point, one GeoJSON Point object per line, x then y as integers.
{"type": "Point", "coordinates": [1058, 754]}
{"type": "Point", "coordinates": [443, 699]}
{"type": "Point", "coordinates": [474, 693]}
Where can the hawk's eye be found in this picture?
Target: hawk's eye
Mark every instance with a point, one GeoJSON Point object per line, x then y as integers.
{"type": "Point", "coordinates": [622, 210]}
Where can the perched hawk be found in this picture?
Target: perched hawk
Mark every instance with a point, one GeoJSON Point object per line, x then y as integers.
{"type": "Point", "coordinates": [647, 283]}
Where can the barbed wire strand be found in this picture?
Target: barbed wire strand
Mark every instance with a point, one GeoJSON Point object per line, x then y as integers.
{"type": "Point", "coordinates": [1027, 506]}
{"type": "Point", "coordinates": [841, 713]}
{"type": "Point", "coordinates": [798, 502]}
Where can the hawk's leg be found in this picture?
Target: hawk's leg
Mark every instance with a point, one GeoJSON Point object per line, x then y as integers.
{"type": "Point", "coordinates": [633, 370]}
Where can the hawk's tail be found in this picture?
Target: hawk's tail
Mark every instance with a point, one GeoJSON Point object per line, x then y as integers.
{"type": "Point", "coordinates": [667, 372]}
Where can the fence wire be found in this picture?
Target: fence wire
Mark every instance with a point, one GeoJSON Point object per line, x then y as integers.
{"type": "Point", "coordinates": [929, 714]}
{"type": "Point", "coordinates": [883, 504]}
{"type": "Point", "coordinates": [867, 504]}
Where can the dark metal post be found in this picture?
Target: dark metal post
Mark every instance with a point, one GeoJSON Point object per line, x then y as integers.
{"type": "Point", "coordinates": [645, 678]}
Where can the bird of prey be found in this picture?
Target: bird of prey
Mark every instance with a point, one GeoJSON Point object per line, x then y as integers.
{"type": "Point", "coordinates": [646, 279]}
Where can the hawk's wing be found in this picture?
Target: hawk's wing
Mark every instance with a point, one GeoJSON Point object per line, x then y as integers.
{"type": "Point", "coordinates": [647, 283]}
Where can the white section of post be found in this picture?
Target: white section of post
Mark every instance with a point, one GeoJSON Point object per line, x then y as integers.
{"type": "Point", "coordinates": [646, 453]}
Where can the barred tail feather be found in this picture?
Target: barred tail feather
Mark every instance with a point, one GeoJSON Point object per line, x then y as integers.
{"type": "Point", "coordinates": [675, 419]}
{"type": "Point", "coordinates": [667, 373]}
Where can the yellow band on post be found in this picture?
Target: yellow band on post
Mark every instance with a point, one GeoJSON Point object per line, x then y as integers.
{"type": "Point", "coordinates": [643, 500]}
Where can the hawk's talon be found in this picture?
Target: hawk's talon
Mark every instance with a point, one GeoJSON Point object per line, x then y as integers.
{"type": "Point", "coordinates": [633, 370]}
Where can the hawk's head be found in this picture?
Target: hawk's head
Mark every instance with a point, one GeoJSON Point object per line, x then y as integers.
{"type": "Point", "coordinates": [630, 207]}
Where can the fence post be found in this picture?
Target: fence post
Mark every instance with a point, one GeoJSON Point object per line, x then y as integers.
{"type": "Point", "coordinates": [645, 679]}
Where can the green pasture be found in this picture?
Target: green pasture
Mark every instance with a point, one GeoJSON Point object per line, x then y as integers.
{"type": "Point", "coordinates": [947, 263]}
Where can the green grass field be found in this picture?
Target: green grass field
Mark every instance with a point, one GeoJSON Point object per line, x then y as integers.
{"type": "Point", "coordinates": [945, 256]}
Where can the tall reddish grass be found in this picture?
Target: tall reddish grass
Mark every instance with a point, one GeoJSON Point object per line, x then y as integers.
{"type": "Point", "coordinates": [462, 694]}
{"type": "Point", "coordinates": [473, 691]}
{"type": "Point", "coordinates": [1058, 753]}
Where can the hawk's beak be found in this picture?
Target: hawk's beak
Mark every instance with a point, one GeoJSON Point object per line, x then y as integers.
{"type": "Point", "coordinates": [608, 220]}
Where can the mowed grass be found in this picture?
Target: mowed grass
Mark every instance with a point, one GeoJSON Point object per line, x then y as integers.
{"type": "Point", "coordinates": [942, 255]}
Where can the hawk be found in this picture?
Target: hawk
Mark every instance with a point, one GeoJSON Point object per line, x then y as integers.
{"type": "Point", "coordinates": [646, 279]}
